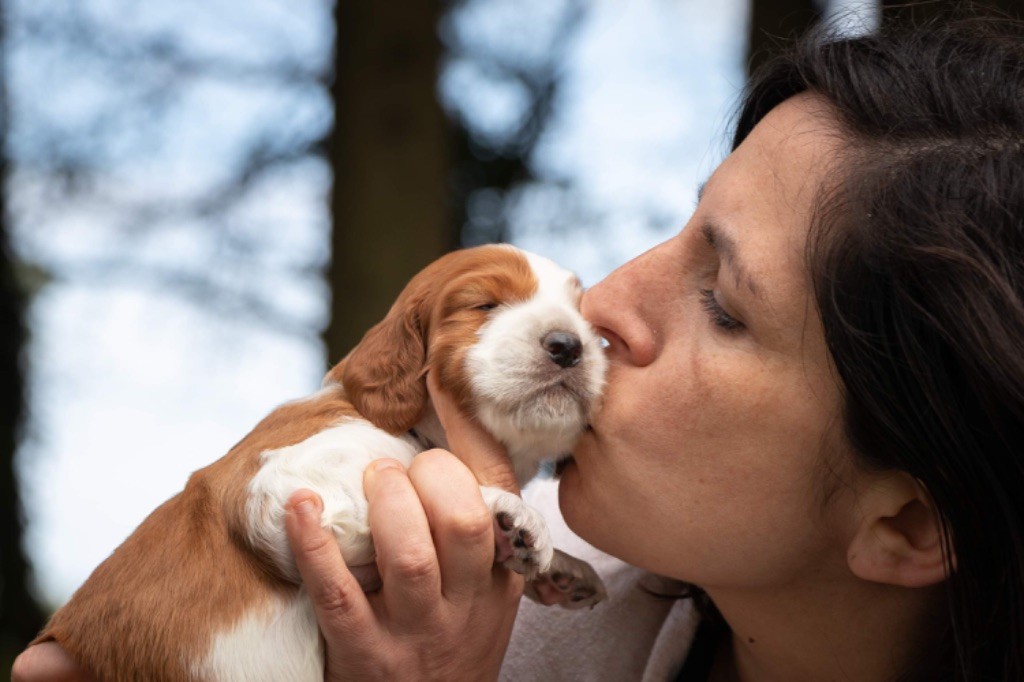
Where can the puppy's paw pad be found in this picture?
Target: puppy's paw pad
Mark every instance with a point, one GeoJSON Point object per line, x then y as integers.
{"type": "Point", "coordinates": [570, 583]}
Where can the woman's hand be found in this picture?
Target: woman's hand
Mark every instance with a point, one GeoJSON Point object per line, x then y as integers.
{"type": "Point", "coordinates": [445, 611]}
{"type": "Point", "coordinates": [47, 662]}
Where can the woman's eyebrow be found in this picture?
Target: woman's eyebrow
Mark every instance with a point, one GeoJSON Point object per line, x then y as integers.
{"type": "Point", "coordinates": [725, 247]}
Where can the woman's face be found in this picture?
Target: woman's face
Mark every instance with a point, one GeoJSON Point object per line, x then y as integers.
{"type": "Point", "coordinates": [708, 461]}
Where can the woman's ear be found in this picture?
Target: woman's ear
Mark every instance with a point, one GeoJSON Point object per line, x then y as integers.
{"type": "Point", "coordinates": [384, 375]}
{"type": "Point", "coordinates": [898, 537]}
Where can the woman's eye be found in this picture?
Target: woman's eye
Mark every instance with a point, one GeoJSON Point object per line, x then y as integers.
{"type": "Point", "coordinates": [717, 314]}
{"type": "Point", "coordinates": [487, 306]}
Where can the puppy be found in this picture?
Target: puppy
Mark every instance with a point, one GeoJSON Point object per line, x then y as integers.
{"type": "Point", "coordinates": [206, 588]}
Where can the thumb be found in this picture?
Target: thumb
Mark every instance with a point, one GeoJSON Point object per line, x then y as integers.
{"type": "Point", "coordinates": [467, 439]}
{"type": "Point", "coordinates": [341, 607]}
{"type": "Point", "coordinates": [47, 662]}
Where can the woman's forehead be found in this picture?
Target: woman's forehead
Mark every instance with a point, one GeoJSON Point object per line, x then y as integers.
{"type": "Point", "coordinates": [787, 156]}
{"type": "Point", "coordinates": [770, 185]}
{"type": "Point", "coordinates": [763, 197]}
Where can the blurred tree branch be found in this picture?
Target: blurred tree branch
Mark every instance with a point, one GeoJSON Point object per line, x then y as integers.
{"type": "Point", "coordinates": [124, 51]}
{"type": "Point", "coordinates": [489, 169]}
{"type": "Point", "coordinates": [70, 165]}
{"type": "Point", "coordinates": [207, 295]}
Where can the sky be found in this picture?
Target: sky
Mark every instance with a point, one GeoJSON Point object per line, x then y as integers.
{"type": "Point", "coordinates": [133, 388]}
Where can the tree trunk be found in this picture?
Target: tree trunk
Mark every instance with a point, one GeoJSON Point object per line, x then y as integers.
{"type": "Point", "coordinates": [20, 615]}
{"type": "Point", "coordinates": [773, 23]}
{"type": "Point", "coordinates": [388, 153]}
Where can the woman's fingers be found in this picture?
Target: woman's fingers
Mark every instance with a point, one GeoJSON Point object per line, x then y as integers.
{"type": "Point", "coordinates": [405, 548]}
{"type": "Point", "coordinates": [338, 599]}
{"type": "Point", "coordinates": [461, 524]}
{"type": "Point", "coordinates": [484, 456]}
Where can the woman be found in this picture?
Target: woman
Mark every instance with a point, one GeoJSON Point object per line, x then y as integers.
{"type": "Point", "coordinates": [815, 404]}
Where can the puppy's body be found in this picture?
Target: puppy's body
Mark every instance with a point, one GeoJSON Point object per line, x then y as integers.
{"type": "Point", "coordinates": [206, 587]}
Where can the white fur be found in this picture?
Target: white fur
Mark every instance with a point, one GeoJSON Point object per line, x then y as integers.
{"type": "Point", "coordinates": [277, 641]}
{"type": "Point", "coordinates": [537, 409]}
{"type": "Point", "coordinates": [331, 464]}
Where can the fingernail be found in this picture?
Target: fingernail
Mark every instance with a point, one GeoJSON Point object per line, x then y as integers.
{"type": "Point", "coordinates": [305, 505]}
{"type": "Point", "coordinates": [382, 464]}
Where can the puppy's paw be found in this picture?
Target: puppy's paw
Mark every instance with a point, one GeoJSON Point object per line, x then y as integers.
{"type": "Point", "coordinates": [521, 538]}
{"type": "Point", "coordinates": [570, 582]}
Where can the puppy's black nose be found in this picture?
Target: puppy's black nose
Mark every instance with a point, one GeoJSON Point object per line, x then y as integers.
{"type": "Point", "coordinates": [563, 348]}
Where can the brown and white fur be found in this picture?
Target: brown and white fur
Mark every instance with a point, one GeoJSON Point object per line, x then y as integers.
{"type": "Point", "coordinates": [206, 587]}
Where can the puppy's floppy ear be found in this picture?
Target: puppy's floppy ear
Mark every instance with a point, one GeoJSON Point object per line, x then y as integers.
{"type": "Point", "coordinates": [384, 375]}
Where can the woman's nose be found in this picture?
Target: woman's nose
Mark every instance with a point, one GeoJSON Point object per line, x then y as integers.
{"type": "Point", "coordinates": [615, 307]}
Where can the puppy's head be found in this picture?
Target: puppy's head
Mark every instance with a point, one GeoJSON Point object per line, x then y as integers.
{"type": "Point", "coordinates": [501, 329]}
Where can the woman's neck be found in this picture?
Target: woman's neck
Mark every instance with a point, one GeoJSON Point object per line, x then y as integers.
{"type": "Point", "coordinates": [833, 630]}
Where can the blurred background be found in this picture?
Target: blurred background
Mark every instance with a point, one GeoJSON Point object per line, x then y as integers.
{"type": "Point", "coordinates": [206, 202]}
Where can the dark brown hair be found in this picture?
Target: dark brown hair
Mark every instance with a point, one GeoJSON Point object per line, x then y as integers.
{"type": "Point", "coordinates": [917, 261]}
